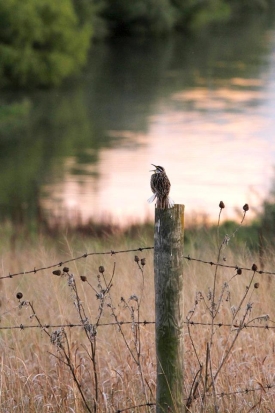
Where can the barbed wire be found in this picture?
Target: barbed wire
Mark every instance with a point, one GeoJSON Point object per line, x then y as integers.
{"type": "Point", "coordinates": [71, 325]}
{"type": "Point", "coordinates": [223, 394]}
{"type": "Point", "coordinates": [140, 249]}
{"type": "Point", "coordinates": [246, 390]}
{"type": "Point", "coordinates": [235, 325]}
{"type": "Point", "coordinates": [135, 407]}
{"type": "Point", "coordinates": [235, 267]}
{"type": "Point", "coordinates": [144, 323]}
{"type": "Point", "coordinates": [61, 263]}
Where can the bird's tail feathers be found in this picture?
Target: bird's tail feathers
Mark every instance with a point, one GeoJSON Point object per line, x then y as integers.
{"type": "Point", "coordinates": [151, 199]}
{"type": "Point", "coordinates": [168, 203]}
{"type": "Point", "coordinates": [171, 203]}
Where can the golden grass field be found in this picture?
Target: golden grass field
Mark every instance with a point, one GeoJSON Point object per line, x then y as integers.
{"type": "Point", "coordinates": [34, 372]}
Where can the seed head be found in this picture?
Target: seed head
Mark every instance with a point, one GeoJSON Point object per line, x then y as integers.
{"type": "Point", "coordinates": [101, 269]}
{"type": "Point", "coordinates": [136, 258]}
{"type": "Point", "coordinates": [256, 285]}
{"type": "Point", "coordinates": [221, 205]}
{"type": "Point", "coordinates": [246, 207]}
{"type": "Point", "coordinates": [19, 296]}
{"type": "Point", "coordinates": [143, 261]}
{"type": "Point", "coordinates": [57, 272]}
{"type": "Point", "coordinates": [66, 269]}
{"type": "Point", "coordinates": [83, 278]}
{"type": "Point", "coordinates": [239, 271]}
{"type": "Point", "coordinates": [254, 267]}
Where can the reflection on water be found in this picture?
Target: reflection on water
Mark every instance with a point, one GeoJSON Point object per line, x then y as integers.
{"type": "Point", "coordinates": [204, 108]}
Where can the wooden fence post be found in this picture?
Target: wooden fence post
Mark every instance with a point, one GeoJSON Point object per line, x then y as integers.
{"type": "Point", "coordinates": [168, 263]}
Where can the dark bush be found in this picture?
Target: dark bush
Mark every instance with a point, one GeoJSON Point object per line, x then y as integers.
{"type": "Point", "coordinates": [139, 16]}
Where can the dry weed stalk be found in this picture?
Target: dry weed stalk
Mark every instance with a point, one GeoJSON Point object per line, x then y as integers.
{"type": "Point", "coordinates": [67, 352]}
{"type": "Point", "coordinates": [132, 306]}
{"type": "Point", "coordinates": [213, 305]}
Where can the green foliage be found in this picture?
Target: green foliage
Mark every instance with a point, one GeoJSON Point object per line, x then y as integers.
{"type": "Point", "coordinates": [212, 11]}
{"type": "Point", "coordinates": [139, 16]}
{"type": "Point", "coordinates": [14, 116]}
{"type": "Point", "coordinates": [9, 112]}
{"type": "Point", "coordinates": [248, 5]}
{"type": "Point", "coordinates": [194, 14]}
{"type": "Point", "coordinates": [41, 42]}
{"type": "Point", "coordinates": [162, 16]}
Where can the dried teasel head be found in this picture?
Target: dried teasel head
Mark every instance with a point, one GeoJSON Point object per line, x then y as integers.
{"type": "Point", "coordinates": [19, 296]}
{"type": "Point", "coordinates": [136, 258]}
{"type": "Point", "coordinates": [101, 269]}
{"type": "Point", "coordinates": [57, 272]}
{"type": "Point", "coordinates": [66, 269]}
{"type": "Point", "coordinates": [256, 285]}
{"type": "Point", "coordinates": [254, 267]}
{"type": "Point", "coordinates": [83, 278]}
{"type": "Point", "coordinates": [143, 261]}
{"type": "Point", "coordinates": [246, 207]}
{"type": "Point", "coordinates": [239, 271]}
{"type": "Point", "coordinates": [221, 205]}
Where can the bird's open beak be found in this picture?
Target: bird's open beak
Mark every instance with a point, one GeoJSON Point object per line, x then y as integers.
{"type": "Point", "coordinates": [153, 170]}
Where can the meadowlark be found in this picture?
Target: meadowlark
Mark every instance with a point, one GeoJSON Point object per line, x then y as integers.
{"type": "Point", "coordinates": [160, 186]}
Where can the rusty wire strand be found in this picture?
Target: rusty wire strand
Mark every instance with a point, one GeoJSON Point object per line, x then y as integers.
{"type": "Point", "coordinates": [235, 267]}
{"type": "Point", "coordinates": [61, 263]}
{"type": "Point", "coordinates": [223, 394]}
{"type": "Point", "coordinates": [242, 391]}
{"type": "Point", "coordinates": [235, 325]}
{"type": "Point", "coordinates": [112, 252]}
{"type": "Point", "coordinates": [144, 323]}
{"type": "Point", "coordinates": [135, 407]}
{"type": "Point", "coordinates": [71, 325]}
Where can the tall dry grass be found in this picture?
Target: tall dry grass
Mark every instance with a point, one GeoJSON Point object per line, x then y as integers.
{"type": "Point", "coordinates": [35, 375]}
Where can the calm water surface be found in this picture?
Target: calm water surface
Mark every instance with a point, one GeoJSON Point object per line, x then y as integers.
{"type": "Point", "coordinates": [202, 107]}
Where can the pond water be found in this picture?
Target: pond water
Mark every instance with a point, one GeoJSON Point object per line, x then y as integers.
{"type": "Point", "coordinates": [201, 106]}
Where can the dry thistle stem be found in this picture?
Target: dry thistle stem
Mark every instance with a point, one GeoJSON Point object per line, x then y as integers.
{"type": "Point", "coordinates": [221, 205]}
{"type": "Point", "coordinates": [19, 296]}
{"type": "Point", "coordinates": [246, 207]}
{"type": "Point", "coordinates": [101, 269]}
{"type": "Point", "coordinates": [57, 272]}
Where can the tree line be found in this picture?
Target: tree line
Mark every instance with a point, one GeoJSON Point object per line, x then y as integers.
{"type": "Point", "coordinates": [42, 42]}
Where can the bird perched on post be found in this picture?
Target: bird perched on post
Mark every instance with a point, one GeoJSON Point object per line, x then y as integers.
{"type": "Point", "coordinates": [160, 186]}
